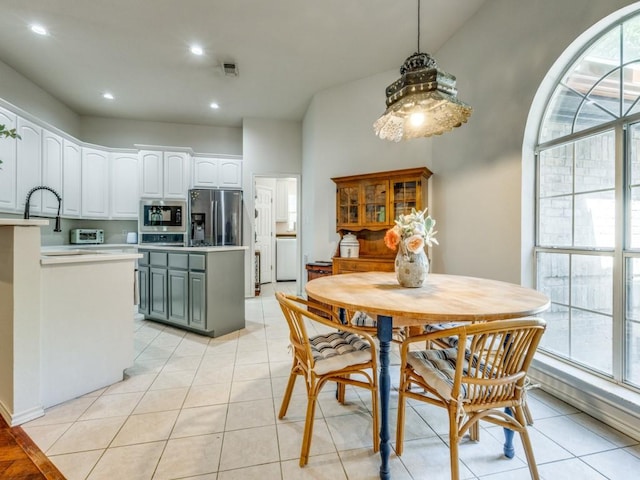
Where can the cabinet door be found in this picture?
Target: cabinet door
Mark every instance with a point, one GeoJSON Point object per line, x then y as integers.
{"type": "Point", "coordinates": [124, 185]}
{"type": "Point", "coordinates": [176, 175]}
{"type": "Point", "coordinates": [406, 195]}
{"type": "Point", "coordinates": [178, 296]}
{"type": "Point", "coordinates": [71, 179]}
{"type": "Point", "coordinates": [375, 203]}
{"type": "Point", "coordinates": [348, 205]}
{"type": "Point", "coordinates": [143, 288]}
{"type": "Point", "coordinates": [198, 300]}
{"type": "Point", "coordinates": [29, 165]}
{"type": "Point", "coordinates": [230, 171]}
{"type": "Point", "coordinates": [95, 183]}
{"type": "Point", "coordinates": [205, 172]}
{"type": "Point", "coordinates": [52, 165]}
{"type": "Point", "coordinates": [8, 148]}
{"type": "Point", "coordinates": [158, 299]}
{"type": "Point", "coordinates": [151, 164]}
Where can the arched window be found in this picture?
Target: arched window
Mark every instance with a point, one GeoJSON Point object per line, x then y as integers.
{"type": "Point", "coordinates": [588, 207]}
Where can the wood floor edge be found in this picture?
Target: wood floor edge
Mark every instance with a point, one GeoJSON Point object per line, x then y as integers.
{"type": "Point", "coordinates": [36, 455]}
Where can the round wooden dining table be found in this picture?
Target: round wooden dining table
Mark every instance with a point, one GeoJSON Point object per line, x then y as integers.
{"type": "Point", "coordinates": [442, 298]}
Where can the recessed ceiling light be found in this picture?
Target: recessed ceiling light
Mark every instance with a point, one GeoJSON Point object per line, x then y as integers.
{"type": "Point", "coordinates": [197, 50]}
{"type": "Point", "coordinates": [214, 105]}
{"type": "Point", "coordinates": [108, 96]}
{"type": "Point", "coordinates": [39, 29]}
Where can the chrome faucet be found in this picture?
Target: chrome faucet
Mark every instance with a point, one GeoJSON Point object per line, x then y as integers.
{"type": "Point", "coordinates": [42, 187]}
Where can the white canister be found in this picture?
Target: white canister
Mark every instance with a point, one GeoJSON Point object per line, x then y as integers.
{"type": "Point", "coordinates": [349, 246]}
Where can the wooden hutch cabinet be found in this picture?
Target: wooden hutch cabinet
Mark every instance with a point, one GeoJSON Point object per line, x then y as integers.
{"type": "Point", "coordinates": [367, 206]}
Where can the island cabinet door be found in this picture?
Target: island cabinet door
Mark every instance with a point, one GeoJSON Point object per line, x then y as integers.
{"type": "Point", "coordinates": [143, 288]}
{"type": "Point", "coordinates": [198, 300]}
{"type": "Point", "coordinates": [159, 300]}
{"type": "Point", "coordinates": [178, 296]}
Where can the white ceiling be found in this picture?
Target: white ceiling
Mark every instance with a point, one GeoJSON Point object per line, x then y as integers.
{"type": "Point", "coordinates": [285, 50]}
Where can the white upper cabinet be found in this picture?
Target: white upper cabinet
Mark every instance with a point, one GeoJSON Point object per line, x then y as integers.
{"type": "Point", "coordinates": [52, 166]}
{"type": "Point", "coordinates": [124, 185]}
{"type": "Point", "coordinates": [95, 183]}
{"type": "Point", "coordinates": [71, 179]}
{"type": "Point", "coordinates": [151, 178]}
{"type": "Point", "coordinates": [217, 172]}
{"type": "Point", "coordinates": [230, 173]}
{"type": "Point", "coordinates": [176, 174]}
{"type": "Point", "coordinates": [205, 172]}
{"type": "Point", "coordinates": [164, 174]}
{"type": "Point", "coordinates": [29, 165]}
{"type": "Point", "coordinates": [8, 147]}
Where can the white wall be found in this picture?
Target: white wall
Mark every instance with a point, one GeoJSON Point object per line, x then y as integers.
{"type": "Point", "coordinates": [500, 57]}
{"type": "Point", "coordinates": [123, 133]}
{"type": "Point", "coordinates": [26, 95]}
{"type": "Point", "coordinates": [339, 140]}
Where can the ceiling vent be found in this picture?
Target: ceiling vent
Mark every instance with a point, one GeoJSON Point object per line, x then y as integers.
{"type": "Point", "coordinates": [230, 69]}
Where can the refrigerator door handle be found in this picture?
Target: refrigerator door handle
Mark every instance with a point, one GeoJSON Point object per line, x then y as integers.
{"type": "Point", "coordinates": [214, 220]}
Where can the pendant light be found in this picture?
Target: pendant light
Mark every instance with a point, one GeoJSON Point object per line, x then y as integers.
{"type": "Point", "coordinates": [422, 102]}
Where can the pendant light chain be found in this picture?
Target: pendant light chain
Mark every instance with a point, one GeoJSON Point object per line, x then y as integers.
{"type": "Point", "coordinates": [418, 26]}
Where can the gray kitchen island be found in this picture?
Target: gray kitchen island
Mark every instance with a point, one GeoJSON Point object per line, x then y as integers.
{"type": "Point", "coordinates": [200, 289]}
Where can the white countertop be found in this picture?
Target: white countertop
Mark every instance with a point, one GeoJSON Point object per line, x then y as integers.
{"type": "Point", "coordinates": [193, 249]}
{"type": "Point", "coordinates": [58, 256]}
{"type": "Point", "coordinates": [17, 222]}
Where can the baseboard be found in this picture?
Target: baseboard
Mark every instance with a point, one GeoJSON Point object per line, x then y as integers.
{"type": "Point", "coordinates": [14, 419]}
{"type": "Point", "coordinates": [614, 405]}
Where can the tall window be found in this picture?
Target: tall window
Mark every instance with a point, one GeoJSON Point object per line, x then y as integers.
{"type": "Point", "coordinates": [588, 208]}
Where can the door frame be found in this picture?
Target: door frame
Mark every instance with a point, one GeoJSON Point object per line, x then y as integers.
{"type": "Point", "coordinates": [299, 264]}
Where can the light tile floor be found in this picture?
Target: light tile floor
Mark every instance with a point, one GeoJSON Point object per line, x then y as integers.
{"type": "Point", "coordinates": [198, 408]}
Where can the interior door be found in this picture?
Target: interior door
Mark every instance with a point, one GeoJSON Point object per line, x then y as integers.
{"type": "Point", "coordinates": [264, 231]}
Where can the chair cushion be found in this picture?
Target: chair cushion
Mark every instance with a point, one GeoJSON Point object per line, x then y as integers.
{"type": "Point", "coordinates": [337, 350]}
{"type": "Point", "coordinates": [437, 367]}
{"type": "Point", "coordinates": [452, 341]}
{"type": "Point", "coordinates": [361, 319]}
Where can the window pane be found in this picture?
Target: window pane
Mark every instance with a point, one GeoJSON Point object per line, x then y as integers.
{"type": "Point", "coordinates": [595, 163]}
{"type": "Point", "coordinates": [553, 276]}
{"type": "Point", "coordinates": [631, 39]}
{"type": "Point", "coordinates": [592, 282]}
{"type": "Point", "coordinates": [633, 289]}
{"type": "Point", "coordinates": [558, 119]}
{"type": "Point", "coordinates": [595, 220]}
{"type": "Point", "coordinates": [632, 361]}
{"type": "Point", "coordinates": [634, 228]}
{"type": "Point", "coordinates": [631, 87]}
{"type": "Point", "coordinates": [591, 340]}
{"type": "Point", "coordinates": [633, 138]}
{"type": "Point", "coordinates": [555, 221]}
{"type": "Point", "coordinates": [556, 171]}
{"type": "Point", "coordinates": [591, 115]}
{"type": "Point", "coordinates": [632, 322]}
{"type": "Point", "coordinates": [556, 337]}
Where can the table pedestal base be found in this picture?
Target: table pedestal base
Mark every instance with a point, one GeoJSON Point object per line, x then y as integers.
{"type": "Point", "coordinates": [384, 337]}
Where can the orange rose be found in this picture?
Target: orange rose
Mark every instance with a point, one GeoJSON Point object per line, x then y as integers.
{"type": "Point", "coordinates": [392, 238]}
{"type": "Point", "coordinates": [415, 243]}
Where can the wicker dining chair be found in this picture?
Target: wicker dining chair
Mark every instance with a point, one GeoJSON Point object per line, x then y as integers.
{"type": "Point", "coordinates": [473, 383]}
{"type": "Point", "coordinates": [329, 357]}
{"type": "Point", "coordinates": [452, 341]}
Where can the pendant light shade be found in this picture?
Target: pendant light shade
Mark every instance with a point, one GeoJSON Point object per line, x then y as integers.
{"type": "Point", "coordinates": [422, 102]}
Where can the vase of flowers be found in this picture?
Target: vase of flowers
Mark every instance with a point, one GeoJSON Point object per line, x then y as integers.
{"type": "Point", "coordinates": [409, 236]}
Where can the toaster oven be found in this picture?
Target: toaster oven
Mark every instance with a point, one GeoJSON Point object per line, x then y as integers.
{"type": "Point", "coordinates": [86, 235]}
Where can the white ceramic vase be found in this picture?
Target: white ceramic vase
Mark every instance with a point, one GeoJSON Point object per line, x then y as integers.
{"type": "Point", "coordinates": [411, 268]}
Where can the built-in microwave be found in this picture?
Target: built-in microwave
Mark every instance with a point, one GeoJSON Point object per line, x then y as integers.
{"type": "Point", "coordinates": [162, 215]}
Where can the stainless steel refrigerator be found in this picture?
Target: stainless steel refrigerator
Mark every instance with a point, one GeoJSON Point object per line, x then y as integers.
{"type": "Point", "coordinates": [216, 217]}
